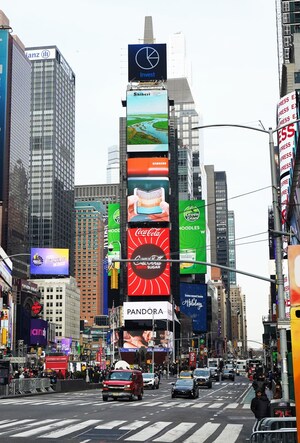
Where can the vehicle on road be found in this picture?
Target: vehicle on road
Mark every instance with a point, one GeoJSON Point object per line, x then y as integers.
{"type": "Point", "coordinates": [123, 384]}
{"type": "Point", "coordinates": [228, 374]}
{"type": "Point", "coordinates": [186, 374]}
{"type": "Point", "coordinates": [203, 377]}
{"type": "Point", "coordinates": [150, 380]}
{"type": "Point", "coordinates": [214, 373]}
{"type": "Point", "coordinates": [241, 367]}
{"type": "Point", "coordinates": [184, 387]}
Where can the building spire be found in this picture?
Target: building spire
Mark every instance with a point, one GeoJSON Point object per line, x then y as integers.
{"type": "Point", "coordinates": [148, 30]}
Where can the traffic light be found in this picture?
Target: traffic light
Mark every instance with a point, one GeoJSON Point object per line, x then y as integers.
{"type": "Point", "coordinates": [114, 283]}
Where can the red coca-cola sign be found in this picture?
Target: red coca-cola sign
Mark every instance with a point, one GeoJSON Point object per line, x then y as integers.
{"type": "Point", "coordinates": [148, 274]}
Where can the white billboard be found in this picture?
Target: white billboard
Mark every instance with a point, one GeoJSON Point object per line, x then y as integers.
{"type": "Point", "coordinates": [144, 310]}
{"type": "Point", "coordinates": [41, 54]}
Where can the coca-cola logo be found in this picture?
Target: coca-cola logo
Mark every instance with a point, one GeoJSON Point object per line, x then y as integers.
{"type": "Point", "coordinates": [153, 232]}
{"type": "Point", "coordinates": [148, 264]}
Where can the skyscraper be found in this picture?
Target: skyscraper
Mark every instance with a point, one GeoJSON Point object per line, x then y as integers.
{"type": "Point", "coordinates": [15, 83]}
{"type": "Point", "coordinates": [113, 165]}
{"type": "Point", "coordinates": [231, 247]}
{"type": "Point", "coordinates": [52, 150]}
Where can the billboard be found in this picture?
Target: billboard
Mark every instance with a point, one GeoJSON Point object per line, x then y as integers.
{"type": "Point", "coordinates": [147, 62]}
{"type": "Point", "coordinates": [4, 36]}
{"type": "Point", "coordinates": [153, 310]}
{"type": "Point", "coordinates": [152, 166]}
{"type": "Point", "coordinates": [148, 275]}
{"type": "Point", "coordinates": [134, 339]}
{"type": "Point", "coordinates": [148, 199]}
{"type": "Point", "coordinates": [287, 144]}
{"type": "Point", "coordinates": [49, 261]}
{"type": "Point", "coordinates": [193, 303]}
{"type": "Point", "coordinates": [147, 121]}
{"type": "Point", "coordinates": [38, 332]}
{"type": "Point", "coordinates": [192, 236]}
{"type": "Point", "coordinates": [113, 235]}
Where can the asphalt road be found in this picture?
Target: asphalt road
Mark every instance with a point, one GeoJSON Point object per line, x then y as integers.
{"type": "Point", "coordinates": [219, 415]}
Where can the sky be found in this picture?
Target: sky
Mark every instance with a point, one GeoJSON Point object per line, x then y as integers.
{"type": "Point", "coordinates": [232, 48]}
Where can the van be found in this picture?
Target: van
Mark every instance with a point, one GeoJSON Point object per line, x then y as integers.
{"type": "Point", "coordinates": [123, 383]}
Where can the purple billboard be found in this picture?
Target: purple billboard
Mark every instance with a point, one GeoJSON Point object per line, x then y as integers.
{"type": "Point", "coordinates": [49, 261]}
{"type": "Point", "coordinates": [38, 332]}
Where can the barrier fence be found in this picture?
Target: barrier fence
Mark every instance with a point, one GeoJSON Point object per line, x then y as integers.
{"type": "Point", "coordinates": [26, 386]}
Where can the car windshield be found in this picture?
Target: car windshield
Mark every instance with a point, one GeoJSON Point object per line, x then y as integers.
{"type": "Point", "coordinates": [201, 372]}
{"type": "Point", "coordinates": [148, 375]}
{"type": "Point", "coordinates": [184, 382]}
{"type": "Point", "coordinates": [120, 375]}
{"type": "Point", "coordinates": [185, 374]}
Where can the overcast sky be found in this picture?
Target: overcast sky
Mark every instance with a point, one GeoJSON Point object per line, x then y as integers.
{"type": "Point", "coordinates": [232, 47]}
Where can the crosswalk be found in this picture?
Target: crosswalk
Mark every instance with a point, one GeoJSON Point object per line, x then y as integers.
{"type": "Point", "coordinates": [135, 431]}
{"type": "Point", "coordinates": [194, 404]}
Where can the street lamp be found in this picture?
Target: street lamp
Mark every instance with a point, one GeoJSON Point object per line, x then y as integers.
{"type": "Point", "coordinates": [282, 323]}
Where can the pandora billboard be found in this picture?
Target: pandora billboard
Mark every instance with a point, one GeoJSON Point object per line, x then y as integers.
{"type": "Point", "coordinates": [148, 274]}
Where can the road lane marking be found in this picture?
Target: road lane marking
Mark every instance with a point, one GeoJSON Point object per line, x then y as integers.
{"type": "Point", "coordinates": [111, 424]}
{"type": "Point", "coordinates": [175, 433]}
{"type": "Point", "coordinates": [69, 430]}
{"type": "Point", "coordinates": [44, 428]}
{"type": "Point", "coordinates": [200, 405]}
{"type": "Point", "coordinates": [215, 405]}
{"type": "Point", "coordinates": [203, 433]}
{"type": "Point", "coordinates": [150, 431]}
{"type": "Point", "coordinates": [230, 433]}
{"type": "Point", "coordinates": [232, 406]}
{"type": "Point", "coordinates": [134, 425]}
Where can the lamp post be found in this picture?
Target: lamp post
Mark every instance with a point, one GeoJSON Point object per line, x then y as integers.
{"type": "Point", "coordinates": [281, 322]}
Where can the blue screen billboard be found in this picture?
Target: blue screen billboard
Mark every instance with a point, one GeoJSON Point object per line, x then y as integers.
{"type": "Point", "coordinates": [49, 261]}
{"type": "Point", "coordinates": [193, 303]}
{"type": "Point", "coordinates": [147, 63]}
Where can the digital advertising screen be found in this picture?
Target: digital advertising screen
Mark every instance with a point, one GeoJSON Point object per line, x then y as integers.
{"type": "Point", "coordinates": [113, 234]}
{"type": "Point", "coordinates": [193, 303]}
{"type": "Point", "coordinates": [49, 261]}
{"type": "Point", "coordinates": [148, 199]}
{"type": "Point", "coordinates": [38, 331]}
{"type": "Point", "coordinates": [136, 339]}
{"type": "Point", "coordinates": [148, 167]}
{"type": "Point", "coordinates": [148, 275]}
{"type": "Point", "coordinates": [147, 121]}
{"type": "Point", "coordinates": [192, 236]}
{"type": "Point", "coordinates": [147, 62]}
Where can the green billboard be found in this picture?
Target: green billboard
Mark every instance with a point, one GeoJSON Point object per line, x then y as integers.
{"type": "Point", "coordinates": [192, 236]}
{"type": "Point", "coordinates": [113, 234]}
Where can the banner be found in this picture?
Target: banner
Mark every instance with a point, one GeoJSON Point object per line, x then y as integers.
{"type": "Point", "coordinates": [193, 303]}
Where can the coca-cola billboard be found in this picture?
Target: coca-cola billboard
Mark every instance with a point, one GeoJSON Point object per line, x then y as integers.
{"type": "Point", "coordinates": [149, 274]}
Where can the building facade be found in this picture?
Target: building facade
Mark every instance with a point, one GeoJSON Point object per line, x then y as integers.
{"type": "Point", "coordinates": [51, 221]}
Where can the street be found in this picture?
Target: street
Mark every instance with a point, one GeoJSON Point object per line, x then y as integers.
{"type": "Point", "coordinates": [219, 415]}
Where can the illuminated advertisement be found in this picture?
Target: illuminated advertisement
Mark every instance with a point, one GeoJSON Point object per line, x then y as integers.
{"type": "Point", "coordinates": [152, 166]}
{"type": "Point", "coordinates": [148, 275]}
{"type": "Point", "coordinates": [294, 274]}
{"type": "Point", "coordinates": [148, 199]}
{"type": "Point", "coordinates": [48, 261]}
{"type": "Point", "coordinates": [134, 339]}
{"type": "Point", "coordinates": [287, 144]}
{"type": "Point", "coordinates": [193, 303]}
{"type": "Point", "coordinates": [158, 310]}
{"type": "Point", "coordinates": [113, 235]}
{"type": "Point", "coordinates": [38, 332]}
{"type": "Point", "coordinates": [4, 35]}
{"type": "Point", "coordinates": [66, 345]}
{"type": "Point", "coordinates": [192, 236]}
{"type": "Point", "coordinates": [147, 121]}
{"type": "Point", "coordinates": [147, 62]}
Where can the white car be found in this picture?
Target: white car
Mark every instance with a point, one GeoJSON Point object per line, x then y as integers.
{"type": "Point", "coordinates": [150, 380]}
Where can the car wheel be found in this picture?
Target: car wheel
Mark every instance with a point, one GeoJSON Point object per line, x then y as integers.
{"type": "Point", "coordinates": [140, 397]}
{"type": "Point", "coordinates": [209, 386]}
{"type": "Point", "coordinates": [104, 398]}
{"type": "Point", "coordinates": [173, 396]}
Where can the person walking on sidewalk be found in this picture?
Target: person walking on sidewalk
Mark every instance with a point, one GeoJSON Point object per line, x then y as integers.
{"type": "Point", "coordinates": [260, 406]}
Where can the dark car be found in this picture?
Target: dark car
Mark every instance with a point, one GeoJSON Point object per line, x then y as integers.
{"type": "Point", "coordinates": [214, 373]}
{"type": "Point", "coordinates": [228, 374]}
{"type": "Point", "coordinates": [185, 387]}
{"type": "Point", "coordinates": [203, 377]}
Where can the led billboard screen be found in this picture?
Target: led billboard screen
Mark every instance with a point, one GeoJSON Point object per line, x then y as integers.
{"type": "Point", "coordinates": [148, 199]}
{"type": "Point", "coordinates": [148, 167]}
{"type": "Point", "coordinates": [193, 303]}
{"type": "Point", "coordinates": [113, 235]}
{"type": "Point", "coordinates": [147, 62]}
{"type": "Point", "coordinates": [148, 275]}
{"type": "Point", "coordinates": [147, 121]}
{"type": "Point", "coordinates": [137, 339]}
{"type": "Point", "coordinates": [49, 261]}
{"type": "Point", "coordinates": [38, 332]}
{"type": "Point", "coordinates": [192, 236]}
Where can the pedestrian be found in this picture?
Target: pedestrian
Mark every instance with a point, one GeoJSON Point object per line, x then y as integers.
{"type": "Point", "coordinates": [260, 406]}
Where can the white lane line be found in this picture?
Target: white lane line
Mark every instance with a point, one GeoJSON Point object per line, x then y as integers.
{"type": "Point", "coordinates": [230, 433]}
{"type": "Point", "coordinates": [246, 406]}
{"type": "Point", "coordinates": [40, 429]}
{"type": "Point", "coordinates": [11, 424]}
{"type": "Point", "coordinates": [176, 432]}
{"type": "Point", "coordinates": [185, 405]}
{"type": "Point", "coordinates": [70, 429]}
{"type": "Point", "coordinates": [150, 431]}
{"type": "Point", "coordinates": [203, 433]}
{"type": "Point", "coordinates": [111, 424]}
{"type": "Point", "coordinates": [134, 425]}
{"type": "Point", "coordinates": [200, 405]}
{"type": "Point", "coordinates": [232, 406]}
{"type": "Point", "coordinates": [215, 405]}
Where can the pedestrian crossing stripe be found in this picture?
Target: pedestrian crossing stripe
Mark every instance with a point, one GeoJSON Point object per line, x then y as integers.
{"type": "Point", "coordinates": [160, 431]}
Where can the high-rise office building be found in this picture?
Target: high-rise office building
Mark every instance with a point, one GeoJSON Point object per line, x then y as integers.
{"type": "Point", "coordinates": [15, 86]}
{"type": "Point", "coordinates": [51, 222]}
{"type": "Point", "coordinates": [89, 240]}
{"type": "Point", "coordinates": [105, 193]}
{"type": "Point", "coordinates": [113, 165]}
{"type": "Point", "coordinates": [231, 247]}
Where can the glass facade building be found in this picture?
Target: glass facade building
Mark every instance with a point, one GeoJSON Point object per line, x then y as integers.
{"type": "Point", "coordinates": [15, 84]}
{"type": "Point", "coordinates": [51, 222]}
